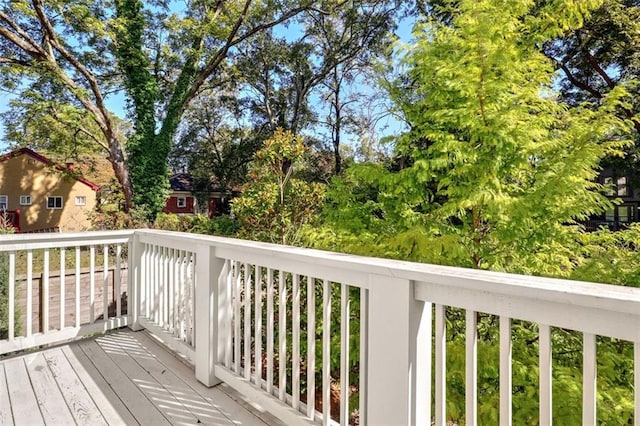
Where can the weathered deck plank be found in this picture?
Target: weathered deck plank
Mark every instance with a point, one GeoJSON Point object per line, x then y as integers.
{"type": "Point", "coordinates": [24, 405]}
{"type": "Point", "coordinates": [112, 408]}
{"type": "Point", "coordinates": [120, 378]}
{"type": "Point", "coordinates": [6, 418]}
{"type": "Point", "coordinates": [82, 407]}
{"type": "Point", "coordinates": [50, 399]}
{"type": "Point", "coordinates": [217, 398]}
{"type": "Point", "coordinates": [190, 405]}
{"type": "Point", "coordinates": [143, 410]}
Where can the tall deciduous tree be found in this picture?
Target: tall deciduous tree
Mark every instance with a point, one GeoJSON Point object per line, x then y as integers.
{"type": "Point", "coordinates": [295, 83]}
{"type": "Point", "coordinates": [163, 60]}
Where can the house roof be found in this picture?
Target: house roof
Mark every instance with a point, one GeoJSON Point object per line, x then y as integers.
{"type": "Point", "coordinates": [48, 162]}
{"type": "Point", "coordinates": [185, 182]}
{"type": "Point", "coordinates": [181, 182]}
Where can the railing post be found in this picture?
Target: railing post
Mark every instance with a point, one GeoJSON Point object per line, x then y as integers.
{"type": "Point", "coordinates": [399, 354]}
{"type": "Point", "coordinates": [208, 270]}
{"type": "Point", "coordinates": [135, 282]}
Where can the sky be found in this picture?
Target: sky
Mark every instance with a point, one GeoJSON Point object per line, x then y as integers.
{"type": "Point", "coordinates": [116, 102]}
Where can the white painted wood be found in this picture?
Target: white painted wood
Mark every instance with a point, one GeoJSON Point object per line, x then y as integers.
{"type": "Point", "coordinates": [506, 399]}
{"type": "Point", "coordinates": [282, 336]}
{"type": "Point", "coordinates": [29, 330]}
{"type": "Point", "coordinates": [44, 315]}
{"type": "Point", "coordinates": [6, 416]}
{"type": "Point", "coordinates": [589, 373]}
{"type": "Point", "coordinates": [471, 368]}
{"type": "Point", "coordinates": [345, 313]}
{"type": "Point", "coordinates": [21, 396]}
{"type": "Point", "coordinates": [171, 280]}
{"type": "Point", "coordinates": [174, 297]}
{"type": "Point", "coordinates": [258, 326]}
{"type": "Point", "coordinates": [441, 365]}
{"type": "Point", "coordinates": [19, 242]}
{"type": "Point", "coordinates": [262, 400]}
{"type": "Point", "coordinates": [179, 346]}
{"type": "Point", "coordinates": [545, 375]}
{"type": "Point", "coordinates": [166, 281]}
{"type": "Point", "coordinates": [311, 348]}
{"type": "Point", "coordinates": [636, 382]}
{"type": "Point", "coordinates": [237, 319]}
{"type": "Point", "coordinates": [162, 282]}
{"type": "Point", "coordinates": [572, 305]}
{"type": "Point", "coordinates": [77, 294]}
{"type": "Point", "coordinates": [12, 296]}
{"type": "Point", "coordinates": [155, 282]}
{"type": "Point", "coordinates": [51, 402]}
{"type": "Point", "coordinates": [63, 279]}
{"type": "Point", "coordinates": [105, 281]}
{"type": "Point", "coordinates": [117, 280]}
{"type": "Point", "coordinates": [208, 269]}
{"type": "Point", "coordinates": [224, 314]}
{"type": "Point", "coordinates": [397, 368]}
{"type": "Point", "coordinates": [247, 321]}
{"type": "Point", "coordinates": [59, 336]}
{"type": "Point", "coordinates": [596, 309]}
{"type": "Point", "coordinates": [136, 281]}
{"type": "Point", "coordinates": [92, 283]}
{"type": "Point", "coordinates": [270, 330]}
{"type": "Point", "coordinates": [182, 295]}
{"type": "Point", "coordinates": [326, 352]}
{"type": "Point", "coordinates": [295, 341]}
{"type": "Point", "coordinates": [149, 281]}
{"type": "Point", "coordinates": [364, 356]}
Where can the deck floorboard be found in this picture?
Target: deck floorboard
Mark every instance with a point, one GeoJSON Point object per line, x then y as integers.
{"type": "Point", "coordinates": [116, 379]}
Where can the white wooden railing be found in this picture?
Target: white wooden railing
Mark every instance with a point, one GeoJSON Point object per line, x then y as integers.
{"type": "Point", "coordinates": [72, 310]}
{"type": "Point", "coordinates": [255, 316]}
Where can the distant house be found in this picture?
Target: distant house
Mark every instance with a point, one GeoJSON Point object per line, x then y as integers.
{"type": "Point", "coordinates": [183, 197]}
{"type": "Point", "coordinates": [47, 195]}
{"type": "Point", "coordinates": [620, 187]}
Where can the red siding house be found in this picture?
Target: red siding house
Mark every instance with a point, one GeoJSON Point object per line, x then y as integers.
{"type": "Point", "coordinates": [182, 199]}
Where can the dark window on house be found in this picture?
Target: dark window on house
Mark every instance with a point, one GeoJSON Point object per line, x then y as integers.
{"type": "Point", "coordinates": [25, 200]}
{"type": "Point", "coordinates": [182, 202]}
{"type": "Point", "coordinates": [625, 213]}
{"type": "Point", "coordinates": [610, 215]}
{"type": "Point", "coordinates": [4, 202]}
{"type": "Point", "coordinates": [54, 202]}
{"type": "Point", "coordinates": [621, 185]}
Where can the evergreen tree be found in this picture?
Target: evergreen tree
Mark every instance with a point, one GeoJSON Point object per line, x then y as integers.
{"type": "Point", "coordinates": [496, 169]}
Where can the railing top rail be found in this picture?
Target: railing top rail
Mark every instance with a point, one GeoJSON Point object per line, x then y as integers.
{"type": "Point", "coordinates": [11, 242]}
{"type": "Point", "coordinates": [601, 296]}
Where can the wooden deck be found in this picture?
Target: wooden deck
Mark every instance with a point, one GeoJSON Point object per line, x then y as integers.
{"type": "Point", "coordinates": [119, 378]}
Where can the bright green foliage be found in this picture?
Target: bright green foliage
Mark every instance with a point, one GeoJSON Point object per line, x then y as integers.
{"type": "Point", "coordinates": [507, 166]}
{"type": "Point", "coordinates": [497, 168]}
{"type": "Point", "coordinates": [275, 205]}
{"type": "Point", "coordinates": [494, 174]}
{"type": "Point", "coordinates": [610, 257]}
{"type": "Point", "coordinates": [197, 224]}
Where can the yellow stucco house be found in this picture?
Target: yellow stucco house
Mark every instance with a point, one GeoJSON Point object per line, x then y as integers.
{"type": "Point", "coordinates": [47, 195]}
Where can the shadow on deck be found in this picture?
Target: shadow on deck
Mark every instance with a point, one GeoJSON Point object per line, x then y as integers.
{"type": "Point", "coordinates": [119, 378]}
